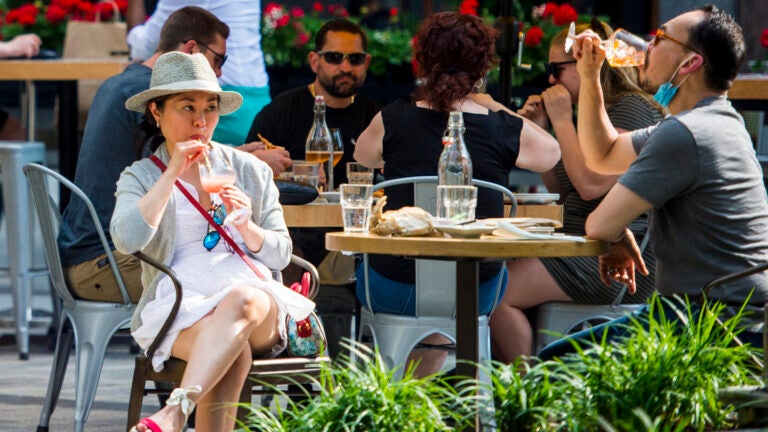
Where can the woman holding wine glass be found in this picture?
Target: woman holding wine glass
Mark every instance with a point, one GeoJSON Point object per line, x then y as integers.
{"type": "Point", "coordinates": [229, 313]}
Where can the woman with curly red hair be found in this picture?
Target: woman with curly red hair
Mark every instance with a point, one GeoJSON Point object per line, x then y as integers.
{"type": "Point", "coordinates": [454, 53]}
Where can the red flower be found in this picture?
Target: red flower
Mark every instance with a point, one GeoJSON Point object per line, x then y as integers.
{"type": "Point", "coordinates": [393, 12]}
{"type": "Point", "coordinates": [317, 7]}
{"type": "Point", "coordinates": [764, 38]}
{"type": "Point", "coordinates": [282, 21]}
{"type": "Point", "coordinates": [55, 14]}
{"type": "Point", "coordinates": [27, 19]}
{"type": "Point", "coordinates": [272, 8]}
{"type": "Point", "coordinates": [469, 7]}
{"type": "Point", "coordinates": [105, 10]}
{"type": "Point", "coordinates": [301, 39]}
{"type": "Point", "coordinates": [550, 8]}
{"type": "Point", "coordinates": [534, 36]}
{"type": "Point", "coordinates": [297, 12]}
{"type": "Point", "coordinates": [565, 14]}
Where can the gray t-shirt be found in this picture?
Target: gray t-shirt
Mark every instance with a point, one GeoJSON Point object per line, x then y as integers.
{"type": "Point", "coordinates": [710, 216]}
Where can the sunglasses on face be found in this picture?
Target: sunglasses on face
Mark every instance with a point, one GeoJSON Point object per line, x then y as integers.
{"type": "Point", "coordinates": [335, 57]}
{"type": "Point", "coordinates": [218, 213]}
{"type": "Point", "coordinates": [553, 69]}
{"type": "Point", "coordinates": [660, 35]}
{"type": "Point", "coordinates": [220, 58]}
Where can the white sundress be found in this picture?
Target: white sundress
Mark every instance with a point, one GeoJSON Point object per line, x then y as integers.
{"type": "Point", "coordinates": [206, 277]}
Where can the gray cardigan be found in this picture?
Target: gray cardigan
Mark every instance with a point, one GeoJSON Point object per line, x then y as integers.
{"type": "Point", "coordinates": [132, 233]}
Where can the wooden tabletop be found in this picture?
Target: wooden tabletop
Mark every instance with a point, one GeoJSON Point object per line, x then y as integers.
{"type": "Point", "coordinates": [461, 248]}
{"type": "Point", "coordinates": [60, 69]}
{"type": "Point", "coordinates": [750, 86]}
{"type": "Point", "coordinates": [329, 214]}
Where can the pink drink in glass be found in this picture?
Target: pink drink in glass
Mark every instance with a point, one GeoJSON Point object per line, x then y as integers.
{"type": "Point", "coordinates": [215, 183]}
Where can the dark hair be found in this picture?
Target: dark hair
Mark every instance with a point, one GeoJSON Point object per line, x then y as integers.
{"type": "Point", "coordinates": [719, 39]}
{"type": "Point", "coordinates": [453, 52]}
{"type": "Point", "coordinates": [190, 23]}
{"type": "Point", "coordinates": [339, 25]}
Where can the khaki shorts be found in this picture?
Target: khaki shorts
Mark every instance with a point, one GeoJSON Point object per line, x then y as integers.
{"type": "Point", "coordinates": [94, 280]}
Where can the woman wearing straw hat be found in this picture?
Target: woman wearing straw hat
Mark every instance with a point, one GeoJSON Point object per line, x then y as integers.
{"type": "Point", "coordinates": [228, 314]}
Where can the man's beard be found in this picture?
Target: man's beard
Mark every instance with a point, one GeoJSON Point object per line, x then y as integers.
{"type": "Point", "coordinates": [645, 83]}
{"type": "Point", "coordinates": [338, 91]}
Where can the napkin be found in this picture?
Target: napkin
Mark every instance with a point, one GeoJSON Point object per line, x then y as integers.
{"type": "Point", "coordinates": [507, 229]}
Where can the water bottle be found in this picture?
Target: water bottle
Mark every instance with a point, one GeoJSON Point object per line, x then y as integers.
{"type": "Point", "coordinates": [456, 198]}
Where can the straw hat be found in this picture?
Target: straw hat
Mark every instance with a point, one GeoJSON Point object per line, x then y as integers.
{"type": "Point", "coordinates": [178, 72]}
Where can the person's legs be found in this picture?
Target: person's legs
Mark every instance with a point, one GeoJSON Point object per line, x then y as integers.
{"type": "Point", "coordinates": [213, 348]}
{"type": "Point", "coordinates": [529, 285]}
{"type": "Point", "coordinates": [94, 280]}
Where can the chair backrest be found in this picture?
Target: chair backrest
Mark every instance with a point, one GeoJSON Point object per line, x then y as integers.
{"type": "Point", "coordinates": [433, 276]}
{"type": "Point", "coordinates": [38, 177]}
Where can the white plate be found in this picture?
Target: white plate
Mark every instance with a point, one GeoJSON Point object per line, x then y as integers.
{"type": "Point", "coordinates": [331, 197]}
{"type": "Point", "coordinates": [470, 230]}
{"type": "Point", "coordinates": [536, 198]}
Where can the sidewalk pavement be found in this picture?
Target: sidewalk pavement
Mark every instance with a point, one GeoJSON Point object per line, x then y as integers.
{"type": "Point", "coordinates": [23, 385]}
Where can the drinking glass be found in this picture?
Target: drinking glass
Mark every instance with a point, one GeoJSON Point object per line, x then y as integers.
{"type": "Point", "coordinates": [356, 201]}
{"type": "Point", "coordinates": [306, 172]}
{"type": "Point", "coordinates": [358, 173]}
{"type": "Point", "coordinates": [456, 204]}
{"type": "Point", "coordinates": [215, 173]}
{"type": "Point", "coordinates": [337, 152]}
{"type": "Point", "coordinates": [622, 48]}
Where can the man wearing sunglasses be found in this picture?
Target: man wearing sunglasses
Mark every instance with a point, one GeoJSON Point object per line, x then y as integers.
{"type": "Point", "coordinates": [241, 62]}
{"type": "Point", "coordinates": [340, 64]}
{"type": "Point", "coordinates": [696, 171]}
{"type": "Point", "coordinates": [111, 142]}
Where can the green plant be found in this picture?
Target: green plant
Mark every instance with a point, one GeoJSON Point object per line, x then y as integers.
{"type": "Point", "coordinates": [662, 377]}
{"type": "Point", "coordinates": [361, 395]}
{"type": "Point", "coordinates": [287, 36]}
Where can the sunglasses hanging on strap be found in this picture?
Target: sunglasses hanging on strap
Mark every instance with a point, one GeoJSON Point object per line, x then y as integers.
{"type": "Point", "coordinates": [306, 338]}
{"type": "Point", "coordinates": [222, 232]}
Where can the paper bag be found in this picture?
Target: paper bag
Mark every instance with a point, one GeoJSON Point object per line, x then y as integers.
{"type": "Point", "coordinates": [94, 40]}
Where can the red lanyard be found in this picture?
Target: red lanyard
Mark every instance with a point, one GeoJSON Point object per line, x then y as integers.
{"type": "Point", "coordinates": [210, 220]}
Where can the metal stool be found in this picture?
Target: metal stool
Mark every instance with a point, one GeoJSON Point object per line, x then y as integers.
{"type": "Point", "coordinates": [13, 156]}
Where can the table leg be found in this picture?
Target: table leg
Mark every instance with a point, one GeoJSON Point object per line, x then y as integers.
{"type": "Point", "coordinates": [68, 136]}
{"type": "Point", "coordinates": [467, 283]}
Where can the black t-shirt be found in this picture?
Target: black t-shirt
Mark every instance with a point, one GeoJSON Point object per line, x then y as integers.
{"type": "Point", "coordinates": [286, 122]}
{"type": "Point", "coordinates": [412, 146]}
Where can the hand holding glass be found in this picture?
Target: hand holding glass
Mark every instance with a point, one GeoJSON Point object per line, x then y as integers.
{"type": "Point", "coordinates": [215, 173]}
{"type": "Point", "coordinates": [356, 201]}
{"type": "Point", "coordinates": [622, 48]}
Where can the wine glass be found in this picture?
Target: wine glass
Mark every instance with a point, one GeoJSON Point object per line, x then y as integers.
{"type": "Point", "coordinates": [215, 173]}
{"type": "Point", "coordinates": [622, 48]}
{"type": "Point", "coordinates": [337, 152]}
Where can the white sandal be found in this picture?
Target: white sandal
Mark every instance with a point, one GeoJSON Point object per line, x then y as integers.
{"type": "Point", "coordinates": [179, 396]}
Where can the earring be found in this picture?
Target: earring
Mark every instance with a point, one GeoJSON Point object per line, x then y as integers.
{"type": "Point", "coordinates": [480, 86]}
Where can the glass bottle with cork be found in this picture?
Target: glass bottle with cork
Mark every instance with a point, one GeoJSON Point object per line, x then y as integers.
{"type": "Point", "coordinates": [319, 145]}
{"type": "Point", "coordinates": [456, 196]}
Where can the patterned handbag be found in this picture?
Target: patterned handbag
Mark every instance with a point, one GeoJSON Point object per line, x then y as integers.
{"type": "Point", "coordinates": [306, 338]}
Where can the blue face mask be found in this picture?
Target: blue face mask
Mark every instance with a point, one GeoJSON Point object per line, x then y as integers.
{"type": "Point", "coordinates": [667, 91]}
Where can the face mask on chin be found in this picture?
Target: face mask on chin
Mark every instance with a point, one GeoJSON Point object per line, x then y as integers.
{"type": "Point", "coordinates": [667, 91]}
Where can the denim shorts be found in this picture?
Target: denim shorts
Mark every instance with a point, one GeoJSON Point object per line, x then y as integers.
{"type": "Point", "coordinates": [388, 296]}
